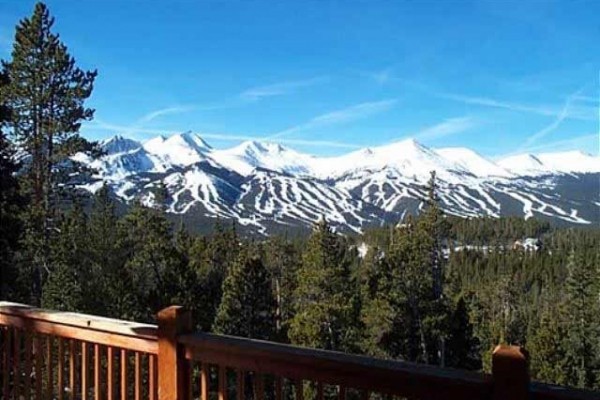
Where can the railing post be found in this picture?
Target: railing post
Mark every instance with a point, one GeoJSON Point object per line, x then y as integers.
{"type": "Point", "coordinates": [510, 371]}
{"type": "Point", "coordinates": [173, 368]}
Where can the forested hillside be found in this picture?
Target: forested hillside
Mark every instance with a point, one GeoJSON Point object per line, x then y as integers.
{"type": "Point", "coordinates": [430, 289]}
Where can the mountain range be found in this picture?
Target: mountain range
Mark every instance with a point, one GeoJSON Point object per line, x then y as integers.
{"type": "Point", "coordinates": [267, 187]}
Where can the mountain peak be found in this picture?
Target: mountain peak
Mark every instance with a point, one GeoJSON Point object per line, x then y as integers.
{"type": "Point", "coordinates": [473, 162]}
{"type": "Point", "coordinates": [180, 149]}
{"type": "Point", "coordinates": [119, 144]}
{"type": "Point", "coordinates": [190, 139]}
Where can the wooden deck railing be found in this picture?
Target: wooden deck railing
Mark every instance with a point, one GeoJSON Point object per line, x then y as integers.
{"type": "Point", "coordinates": [56, 355]}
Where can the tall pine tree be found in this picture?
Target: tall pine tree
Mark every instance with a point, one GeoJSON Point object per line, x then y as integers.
{"type": "Point", "coordinates": [326, 312]}
{"type": "Point", "coordinates": [247, 307]}
{"type": "Point", "coordinates": [10, 203]}
{"type": "Point", "coordinates": [46, 94]}
{"type": "Point", "coordinates": [583, 310]}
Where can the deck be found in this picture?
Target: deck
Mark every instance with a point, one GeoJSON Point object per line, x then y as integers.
{"type": "Point", "coordinates": [48, 354]}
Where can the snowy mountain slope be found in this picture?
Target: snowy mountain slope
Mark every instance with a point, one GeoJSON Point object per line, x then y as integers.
{"type": "Point", "coordinates": [119, 144]}
{"type": "Point", "coordinates": [473, 162]}
{"type": "Point", "coordinates": [408, 157]}
{"type": "Point", "coordinates": [288, 200]}
{"type": "Point", "coordinates": [178, 150]}
{"type": "Point", "coordinates": [248, 156]}
{"type": "Point", "coordinates": [570, 161]}
{"type": "Point", "coordinates": [551, 163]}
{"type": "Point", "coordinates": [266, 186]}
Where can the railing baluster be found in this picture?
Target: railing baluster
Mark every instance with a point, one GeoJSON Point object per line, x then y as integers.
{"type": "Point", "coordinates": [97, 372]}
{"type": "Point", "coordinates": [138, 376]}
{"type": "Point", "coordinates": [5, 361]}
{"type": "Point", "coordinates": [342, 393]}
{"type": "Point", "coordinates": [319, 390]}
{"type": "Point", "coordinates": [49, 369]}
{"type": "Point", "coordinates": [28, 365]}
{"type": "Point", "coordinates": [123, 374]}
{"type": "Point", "coordinates": [189, 379]}
{"type": "Point", "coordinates": [259, 386]}
{"type": "Point", "coordinates": [151, 377]}
{"type": "Point", "coordinates": [72, 369]}
{"type": "Point", "coordinates": [110, 373]}
{"type": "Point", "coordinates": [204, 381]}
{"type": "Point", "coordinates": [16, 367]}
{"type": "Point", "coordinates": [278, 388]}
{"type": "Point", "coordinates": [39, 360]}
{"type": "Point", "coordinates": [84, 370]}
{"type": "Point", "coordinates": [241, 384]}
{"type": "Point", "coordinates": [61, 369]}
{"type": "Point", "coordinates": [299, 389]}
{"type": "Point", "coordinates": [222, 383]}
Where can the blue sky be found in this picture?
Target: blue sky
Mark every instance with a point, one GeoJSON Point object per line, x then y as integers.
{"type": "Point", "coordinates": [326, 77]}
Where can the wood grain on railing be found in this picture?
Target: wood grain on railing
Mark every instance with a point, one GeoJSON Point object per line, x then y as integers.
{"type": "Point", "coordinates": [47, 354]}
{"type": "Point", "coordinates": [333, 368]}
{"type": "Point", "coordinates": [35, 344]}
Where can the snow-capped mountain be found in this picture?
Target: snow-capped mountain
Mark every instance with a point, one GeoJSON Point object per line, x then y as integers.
{"type": "Point", "coordinates": [266, 186]}
{"type": "Point", "coordinates": [551, 163]}
{"type": "Point", "coordinates": [473, 162]}
{"type": "Point", "coordinates": [250, 155]}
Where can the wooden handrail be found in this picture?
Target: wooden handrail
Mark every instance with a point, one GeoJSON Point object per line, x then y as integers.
{"type": "Point", "coordinates": [127, 335]}
{"type": "Point", "coordinates": [157, 361]}
{"type": "Point", "coordinates": [543, 391]}
{"type": "Point", "coordinates": [335, 368]}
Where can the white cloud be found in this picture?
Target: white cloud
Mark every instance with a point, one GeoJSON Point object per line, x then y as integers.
{"type": "Point", "coordinates": [588, 143]}
{"type": "Point", "coordinates": [278, 89]}
{"type": "Point", "coordinates": [448, 127]}
{"type": "Point", "coordinates": [582, 112]}
{"type": "Point", "coordinates": [560, 117]}
{"type": "Point", "coordinates": [163, 111]}
{"type": "Point", "coordinates": [344, 115]}
{"type": "Point", "coordinates": [588, 99]}
{"type": "Point", "coordinates": [140, 133]}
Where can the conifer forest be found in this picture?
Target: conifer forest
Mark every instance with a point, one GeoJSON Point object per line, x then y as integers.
{"type": "Point", "coordinates": [431, 288]}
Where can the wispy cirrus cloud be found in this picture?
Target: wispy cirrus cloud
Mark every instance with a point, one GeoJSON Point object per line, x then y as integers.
{"type": "Point", "coordinates": [576, 112]}
{"type": "Point", "coordinates": [587, 99]}
{"type": "Point", "coordinates": [381, 76]}
{"type": "Point", "coordinates": [281, 88]}
{"type": "Point", "coordinates": [560, 117]}
{"type": "Point", "coordinates": [162, 112]}
{"type": "Point", "coordinates": [141, 133]}
{"type": "Point", "coordinates": [583, 113]}
{"type": "Point", "coordinates": [494, 103]}
{"type": "Point", "coordinates": [587, 142]}
{"type": "Point", "coordinates": [341, 116]}
{"type": "Point", "coordinates": [448, 127]}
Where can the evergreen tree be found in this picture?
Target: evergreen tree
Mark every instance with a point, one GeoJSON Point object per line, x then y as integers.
{"type": "Point", "coordinates": [462, 349]}
{"type": "Point", "coordinates": [46, 94]}
{"type": "Point", "coordinates": [10, 204]}
{"type": "Point", "coordinates": [106, 259]}
{"type": "Point", "coordinates": [436, 230]}
{"type": "Point", "coordinates": [546, 346]}
{"type": "Point", "coordinates": [326, 312]}
{"type": "Point", "coordinates": [151, 263]}
{"type": "Point", "coordinates": [583, 323]}
{"type": "Point", "coordinates": [161, 196]}
{"type": "Point", "coordinates": [377, 312]}
{"type": "Point", "coordinates": [68, 287]}
{"type": "Point", "coordinates": [247, 307]}
{"type": "Point", "coordinates": [282, 261]}
{"type": "Point", "coordinates": [220, 253]}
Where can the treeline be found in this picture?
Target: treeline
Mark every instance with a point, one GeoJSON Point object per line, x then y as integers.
{"type": "Point", "coordinates": [411, 296]}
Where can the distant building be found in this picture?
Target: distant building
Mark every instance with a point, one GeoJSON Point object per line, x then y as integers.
{"type": "Point", "coordinates": [528, 244]}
